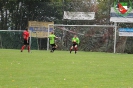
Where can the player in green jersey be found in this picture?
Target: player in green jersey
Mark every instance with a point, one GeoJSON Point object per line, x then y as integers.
{"type": "Point", "coordinates": [52, 38]}
{"type": "Point", "coordinates": [75, 41]}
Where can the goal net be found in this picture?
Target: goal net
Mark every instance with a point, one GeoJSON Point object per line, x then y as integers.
{"type": "Point", "coordinates": [92, 37]}
{"type": "Point", "coordinates": [11, 39]}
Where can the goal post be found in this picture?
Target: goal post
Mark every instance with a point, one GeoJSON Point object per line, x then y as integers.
{"type": "Point", "coordinates": [12, 39]}
{"type": "Point", "coordinates": [84, 32]}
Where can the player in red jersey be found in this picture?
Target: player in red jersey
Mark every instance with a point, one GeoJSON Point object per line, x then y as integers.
{"type": "Point", "coordinates": [26, 40]}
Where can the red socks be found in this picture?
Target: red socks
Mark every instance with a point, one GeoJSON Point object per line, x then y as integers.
{"type": "Point", "coordinates": [24, 47]}
{"type": "Point", "coordinates": [75, 48]}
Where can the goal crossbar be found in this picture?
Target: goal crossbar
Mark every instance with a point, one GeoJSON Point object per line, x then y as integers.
{"type": "Point", "coordinates": [84, 25]}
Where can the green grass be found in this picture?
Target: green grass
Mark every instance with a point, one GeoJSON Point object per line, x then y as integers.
{"type": "Point", "coordinates": [42, 69]}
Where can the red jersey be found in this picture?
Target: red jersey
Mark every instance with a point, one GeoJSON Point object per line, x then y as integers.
{"type": "Point", "coordinates": [25, 34]}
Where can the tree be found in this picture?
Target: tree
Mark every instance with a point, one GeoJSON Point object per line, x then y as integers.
{"type": "Point", "coordinates": [15, 14]}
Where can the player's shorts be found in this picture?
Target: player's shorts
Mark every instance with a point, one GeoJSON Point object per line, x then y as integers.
{"type": "Point", "coordinates": [25, 42]}
{"type": "Point", "coordinates": [74, 44]}
{"type": "Point", "coordinates": [53, 45]}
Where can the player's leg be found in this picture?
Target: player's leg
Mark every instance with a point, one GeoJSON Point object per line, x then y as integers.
{"type": "Point", "coordinates": [71, 48]}
{"type": "Point", "coordinates": [55, 47]}
{"type": "Point", "coordinates": [52, 47]}
{"type": "Point", "coordinates": [22, 48]}
{"type": "Point", "coordinates": [76, 48]}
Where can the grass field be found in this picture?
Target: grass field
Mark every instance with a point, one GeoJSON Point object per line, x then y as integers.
{"type": "Point", "coordinates": [42, 69]}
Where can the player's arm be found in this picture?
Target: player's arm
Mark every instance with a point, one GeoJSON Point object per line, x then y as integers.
{"type": "Point", "coordinates": [27, 38]}
{"type": "Point", "coordinates": [78, 41]}
{"type": "Point", "coordinates": [49, 36]}
{"type": "Point", "coordinates": [56, 37]}
{"type": "Point", "coordinates": [72, 40]}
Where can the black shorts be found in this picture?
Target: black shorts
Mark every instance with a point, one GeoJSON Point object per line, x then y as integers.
{"type": "Point", "coordinates": [53, 45]}
{"type": "Point", "coordinates": [25, 42]}
{"type": "Point", "coordinates": [74, 44]}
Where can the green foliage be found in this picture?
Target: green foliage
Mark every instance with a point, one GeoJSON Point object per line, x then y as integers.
{"type": "Point", "coordinates": [19, 12]}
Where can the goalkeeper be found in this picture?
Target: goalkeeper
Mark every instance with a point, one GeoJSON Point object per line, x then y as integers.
{"type": "Point", "coordinates": [75, 41]}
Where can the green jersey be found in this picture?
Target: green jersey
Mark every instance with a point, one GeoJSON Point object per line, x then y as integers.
{"type": "Point", "coordinates": [76, 40]}
{"type": "Point", "coordinates": [52, 38]}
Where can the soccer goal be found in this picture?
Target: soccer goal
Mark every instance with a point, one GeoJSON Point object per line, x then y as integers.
{"type": "Point", "coordinates": [92, 37]}
{"type": "Point", "coordinates": [11, 39]}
